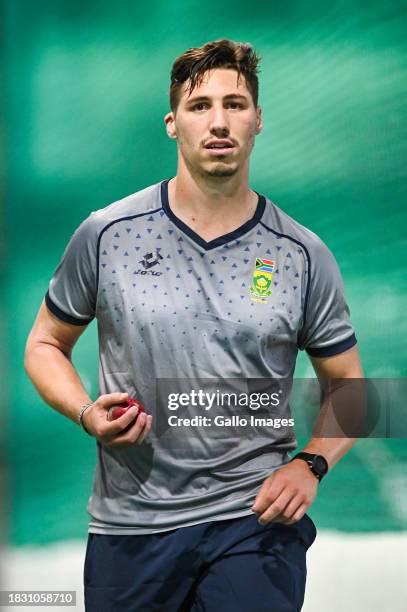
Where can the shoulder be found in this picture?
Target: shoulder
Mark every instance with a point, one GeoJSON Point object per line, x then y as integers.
{"type": "Point", "coordinates": [281, 224]}
{"type": "Point", "coordinates": [140, 203]}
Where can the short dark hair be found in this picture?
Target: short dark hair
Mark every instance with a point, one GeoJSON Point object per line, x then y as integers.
{"type": "Point", "coordinates": [222, 53]}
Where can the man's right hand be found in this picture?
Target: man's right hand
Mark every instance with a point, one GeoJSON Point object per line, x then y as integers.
{"type": "Point", "coordinates": [111, 433]}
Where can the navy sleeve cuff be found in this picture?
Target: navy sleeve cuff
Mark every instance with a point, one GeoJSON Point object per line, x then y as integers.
{"type": "Point", "coordinates": [60, 314]}
{"type": "Point", "coordinates": [333, 349]}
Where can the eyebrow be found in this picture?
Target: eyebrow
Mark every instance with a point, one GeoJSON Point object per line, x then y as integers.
{"type": "Point", "coordinates": [207, 99]}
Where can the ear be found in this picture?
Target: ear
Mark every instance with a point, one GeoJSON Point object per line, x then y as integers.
{"type": "Point", "coordinates": [259, 123]}
{"type": "Point", "coordinates": [169, 121]}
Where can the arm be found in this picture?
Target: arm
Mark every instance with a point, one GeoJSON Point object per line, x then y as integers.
{"type": "Point", "coordinates": [288, 493]}
{"type": "Point", "coordinates": [345, 365]}
{"type": "Point", "coordinates": [48, 363]}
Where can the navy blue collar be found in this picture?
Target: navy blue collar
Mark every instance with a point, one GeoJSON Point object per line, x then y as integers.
{"type": "Point", "coordinates": [237, 233]}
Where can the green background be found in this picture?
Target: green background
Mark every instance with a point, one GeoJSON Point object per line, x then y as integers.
{"type": "Point", "coordinates": [86, 90]}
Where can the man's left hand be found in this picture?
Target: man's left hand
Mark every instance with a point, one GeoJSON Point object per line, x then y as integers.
{"type": "Point", "coordinates": [286, 495]}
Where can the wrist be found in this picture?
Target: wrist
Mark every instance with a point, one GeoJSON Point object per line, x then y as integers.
{"type": "Point", "coordinates": [305, 468]}
{"type": "Point", "coordinates": [317, 464]}
{"type": "Point", "coordinates": [80, 418]}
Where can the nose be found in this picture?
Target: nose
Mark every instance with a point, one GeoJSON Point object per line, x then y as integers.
{"type": "Point", "coordinates": [219, 121]}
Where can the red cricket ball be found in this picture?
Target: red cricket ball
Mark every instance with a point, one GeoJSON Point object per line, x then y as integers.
{"type": "Point", "coordinates": [117, 411]}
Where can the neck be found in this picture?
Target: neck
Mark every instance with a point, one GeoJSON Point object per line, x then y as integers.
{"type": "Point", "coordinates": [211, 206]}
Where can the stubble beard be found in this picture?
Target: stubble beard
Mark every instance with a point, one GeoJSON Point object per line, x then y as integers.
{"type": "Point", "coordinates": [217, 169]}
{"type": "Point", "coordinates": [221, 171]}
{"type": "Point", "coordinates": [220, 168]}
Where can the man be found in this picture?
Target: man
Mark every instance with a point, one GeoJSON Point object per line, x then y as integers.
{"type": "Point", "coordinates": [196, 277]}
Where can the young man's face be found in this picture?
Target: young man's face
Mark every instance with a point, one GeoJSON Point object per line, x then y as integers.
{"type": "Point", "coordinates": [219, 109]}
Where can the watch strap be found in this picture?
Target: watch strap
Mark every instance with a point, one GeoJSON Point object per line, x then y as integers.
{"type": "Point", "coordinates": [310, 458]}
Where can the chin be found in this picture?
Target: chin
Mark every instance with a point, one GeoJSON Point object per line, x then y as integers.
{"type": "Point", "coordinates": [221, 170]}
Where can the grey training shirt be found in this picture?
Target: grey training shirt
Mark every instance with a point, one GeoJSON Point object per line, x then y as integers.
{"type": "Point", "coordinates": [170, 305]}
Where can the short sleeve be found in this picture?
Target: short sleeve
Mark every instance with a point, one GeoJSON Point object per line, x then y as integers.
{"type": "Point", "coordinates": [327, 329]}
{"type": "Point", "coordinates": [71, 295]}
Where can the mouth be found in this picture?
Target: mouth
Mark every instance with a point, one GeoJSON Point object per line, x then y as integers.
{"type": "Point", "coordinates": [219, 151]}
{"type": "Point", "coordinates": [219, 148]}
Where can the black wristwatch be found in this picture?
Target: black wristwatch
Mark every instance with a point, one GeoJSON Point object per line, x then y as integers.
{"type": "Point", "coordinates": [317, 463]}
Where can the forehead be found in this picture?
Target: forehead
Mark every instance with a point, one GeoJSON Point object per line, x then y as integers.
{"type": "Point", "coordinates": [217, 82]}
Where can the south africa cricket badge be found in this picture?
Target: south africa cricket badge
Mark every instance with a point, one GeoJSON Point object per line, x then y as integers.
{"type": "Point", "coordinates": [262, 278]}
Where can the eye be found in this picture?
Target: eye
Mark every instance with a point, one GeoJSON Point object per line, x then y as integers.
{"type": "Point", "coordinates": [199, 106]}
{"type": "Point", "coordinates": [235, 104]}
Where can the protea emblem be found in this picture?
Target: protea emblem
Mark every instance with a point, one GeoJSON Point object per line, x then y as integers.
{"type": "Point", "coordinates": [262, 278]}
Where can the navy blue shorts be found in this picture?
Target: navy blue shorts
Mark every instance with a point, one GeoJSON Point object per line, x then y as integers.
{"type": "Point", "coordinates": [221, 566]}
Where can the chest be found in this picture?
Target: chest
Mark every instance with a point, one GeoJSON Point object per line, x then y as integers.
{"type": "Point", "coordinates": [160, 279]}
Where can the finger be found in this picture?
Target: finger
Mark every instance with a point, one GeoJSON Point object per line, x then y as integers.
{"type": "Point", "coordinates": [286, 517]}
{"type": "Point", "coordinates": [299, 513]}
{"type": "Point", "coordinates": [277, 507]}
{"type": "Point", "coordinates": [112, 428]}
{"type": "Point", "coordinates": [131, 435]}
{"type": "Point", "coordinates": [269, 491]}
{"type": "Point", "coordinates": [110, 399]}
{"type": "Point", "coordinates": [136, 431]}
{"type": "Point", "coordinates": [137, 435]}
{"type": "Point", "coordinates": [147, 429]}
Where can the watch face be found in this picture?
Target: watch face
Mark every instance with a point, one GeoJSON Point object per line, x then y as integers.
{"type": "Point", "coordinates": [320, 465]}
